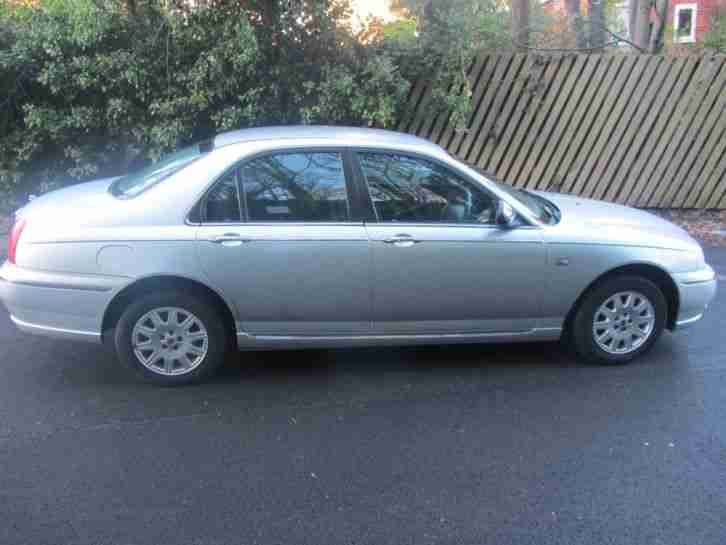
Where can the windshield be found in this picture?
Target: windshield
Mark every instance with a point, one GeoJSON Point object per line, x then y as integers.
{"type": "Point", "coordinates": [541, 208]}
{"type": "Point", "coordinates": [132, 184]}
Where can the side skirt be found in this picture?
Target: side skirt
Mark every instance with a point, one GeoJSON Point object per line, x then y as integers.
{"type": "Point", "coordinates": [274, 342]}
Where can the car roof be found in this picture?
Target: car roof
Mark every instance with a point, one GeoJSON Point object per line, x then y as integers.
{"type": "Point", "coordinates": [340, 136]}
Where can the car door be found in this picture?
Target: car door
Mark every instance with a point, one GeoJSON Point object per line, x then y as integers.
{"type": "Point", "coordinates": [440, 264]}
{"type": "Point", "coordinates": [299, 261]}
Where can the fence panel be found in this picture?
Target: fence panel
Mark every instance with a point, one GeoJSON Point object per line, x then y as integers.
{"type": "Point", "coordinates": [640, 130]}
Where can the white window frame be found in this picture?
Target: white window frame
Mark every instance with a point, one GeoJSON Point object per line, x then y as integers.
{"type": "Point", "coordinates": [691, 38]}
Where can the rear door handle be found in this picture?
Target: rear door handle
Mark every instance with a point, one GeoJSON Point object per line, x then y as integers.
{"type": "Point", "coordinates": [402, 241]}
{"type": "Point", "coordinates": [229, 239]}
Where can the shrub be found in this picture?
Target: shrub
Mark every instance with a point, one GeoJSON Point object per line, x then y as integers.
{"type": "Point", "coordinates": [715, 38]}
{"type": "Point", "coordinates": [90, 90]}
{"type": "Point", "coordinates": [95, 87]}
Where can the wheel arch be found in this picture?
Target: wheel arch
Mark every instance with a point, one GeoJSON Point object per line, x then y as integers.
{"type": "Point", "coordinates": [157, 283]}
{"type": "Point", "coordinates": [654, 273]}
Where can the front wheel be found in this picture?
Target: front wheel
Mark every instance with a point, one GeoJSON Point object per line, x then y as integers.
{"type": "Point", "coordinates": [171, 338]}
{"type": "Point", "coordinates": [619, 320]}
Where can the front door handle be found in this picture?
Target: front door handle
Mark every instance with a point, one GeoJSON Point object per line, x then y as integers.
{"type": "Point", "coordinates": [229, 239]}
{"type": "Point", "coordinates": [401, 241]}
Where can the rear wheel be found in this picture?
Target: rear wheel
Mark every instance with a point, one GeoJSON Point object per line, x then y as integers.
{"type": "Point", "coordinates": [171, 338]}
{"type": "Point", "coordinates": [619, 320]}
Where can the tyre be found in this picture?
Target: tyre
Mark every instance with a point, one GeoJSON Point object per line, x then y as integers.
{"type": "Point", "coordinates": [618, 320]}
{"type": "Point", "coordinates": [171, 338]}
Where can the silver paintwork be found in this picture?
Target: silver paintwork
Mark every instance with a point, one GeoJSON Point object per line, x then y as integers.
{"type": "Point", "coordinates": [624, 322]}
{"type": "Point", "coordinates": [335, 284]}
{"type": "Point", "coordinates": [175, 345]}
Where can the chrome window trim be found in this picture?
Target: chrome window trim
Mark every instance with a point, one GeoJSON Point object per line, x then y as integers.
{"type": "Point", "coordinates": [459, 225]}
{"type": "Point", "coordinates": [363, 223]}
{"type": "Point", "coordinates": [278, 223]}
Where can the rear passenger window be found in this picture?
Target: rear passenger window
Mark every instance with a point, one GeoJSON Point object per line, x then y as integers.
{"type": "Point", "coordinates": [305, 187]}
{"type": "Point", "coordinates": [223, 202]}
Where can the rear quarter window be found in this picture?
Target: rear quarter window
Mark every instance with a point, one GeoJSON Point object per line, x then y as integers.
{"type": "Point", "coordinates": [135, 183]}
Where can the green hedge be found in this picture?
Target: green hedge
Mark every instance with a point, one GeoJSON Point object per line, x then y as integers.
{"type": "Point", "coordinates": [91, 88]}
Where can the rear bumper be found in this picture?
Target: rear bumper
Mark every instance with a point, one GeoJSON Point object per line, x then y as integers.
{"type": "Point", "coordinates": [58, 305]}
{"type": "Point", "coordinates": [56, 332]}
{"type": "Point", "coordinates": [696, 290]}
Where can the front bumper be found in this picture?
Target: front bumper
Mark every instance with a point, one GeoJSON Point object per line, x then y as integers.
{"type": "Point", "coordinates": [696, 290]}
{"type": "Point", "coordinates": [58, 305]}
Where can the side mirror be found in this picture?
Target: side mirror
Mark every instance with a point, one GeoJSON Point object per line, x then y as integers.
{"type": "Point", "coordinates": [506, 216]}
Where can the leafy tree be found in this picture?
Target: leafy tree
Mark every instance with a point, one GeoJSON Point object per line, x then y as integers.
{"type": "Point", "coordinates": [646, 32]}
{"type": "Point", "coordinates": [95, 87]}
{"type": "Point", "coordinates": [403, 30]}
{"type": "Point", "coordinates": [715, 38]}
{"type": "Point", "coordinates": [451, 34]}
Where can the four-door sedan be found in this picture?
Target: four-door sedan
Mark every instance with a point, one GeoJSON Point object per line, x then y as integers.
{"type": "Point", "coordinates": [293, 237]}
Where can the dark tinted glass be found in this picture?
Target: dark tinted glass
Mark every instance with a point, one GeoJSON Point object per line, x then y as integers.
{"type": "Point", "coordinates": [408, 189]}
{"type": "Point", "coordinates": [685, 22]}
{"type": "Point", "coordinates": [222, 204]}
{"type": "Point", "coordinates": [296, 187]}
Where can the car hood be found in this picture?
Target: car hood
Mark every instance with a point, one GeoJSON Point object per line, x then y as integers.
{"type": "Point", "coordinates": [596, 221]}
{"type": "Point", "coordinates": [76, 201]}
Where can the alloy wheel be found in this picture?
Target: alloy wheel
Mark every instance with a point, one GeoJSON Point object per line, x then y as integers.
{"type": "Point", "coordinates": [624, 322]}
{"type": "Point", "coordinates": [170, 341]}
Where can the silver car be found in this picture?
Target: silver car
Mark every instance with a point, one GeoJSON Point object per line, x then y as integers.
{"type": "Point", "coordinates": [293, 237]}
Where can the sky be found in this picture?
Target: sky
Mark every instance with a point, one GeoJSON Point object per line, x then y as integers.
{"type": "Point", "coordinates": [378, 8]}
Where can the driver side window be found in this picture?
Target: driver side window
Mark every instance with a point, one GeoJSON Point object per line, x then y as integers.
{"type": "Point", "coordinates": [412, 190]}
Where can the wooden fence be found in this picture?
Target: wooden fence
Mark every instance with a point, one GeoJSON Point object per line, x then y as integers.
{"type": "Point", "coordinates": [647, 131]}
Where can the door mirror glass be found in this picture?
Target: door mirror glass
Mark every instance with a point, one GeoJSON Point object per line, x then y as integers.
{"type": "Point", "coordinates": [506, 216]}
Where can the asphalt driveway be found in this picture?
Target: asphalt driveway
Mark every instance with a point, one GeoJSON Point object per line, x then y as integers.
{"type": "Point", "coordinates": [506, 444]}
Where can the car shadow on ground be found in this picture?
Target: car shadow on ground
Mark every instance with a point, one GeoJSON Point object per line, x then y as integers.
{"type": "Point", "coordinates": [367, 361]}
{"type": "Point", "coordinates": [99, 363]}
